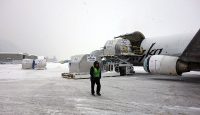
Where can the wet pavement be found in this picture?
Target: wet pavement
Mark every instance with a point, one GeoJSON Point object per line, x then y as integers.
{"type": "Point", "coordinates": [47, 93]}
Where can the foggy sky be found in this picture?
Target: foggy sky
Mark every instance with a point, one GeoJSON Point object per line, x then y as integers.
{"type": "Point", "coordinates": [63, 28]}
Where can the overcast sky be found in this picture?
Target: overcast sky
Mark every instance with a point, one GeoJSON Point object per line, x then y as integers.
{"type": "Point", "coordinates": [63, 28]}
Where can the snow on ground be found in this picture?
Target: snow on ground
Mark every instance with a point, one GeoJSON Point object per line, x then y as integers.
{"type": "Point", "coordinates": [58, 67]}
{"type": "Point", "coordinates": [110, 73]}
{"type": "Point", "coordinates": [137, 69]}
{"type": "Point", "coordinates": [54, 70]}
{"type": "Point", "coordinates": [33, 92]}
{"type": "Point", "coordinates": [15, 71]}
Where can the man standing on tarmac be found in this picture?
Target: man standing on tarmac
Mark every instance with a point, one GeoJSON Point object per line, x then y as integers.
{"type": "Point", "coordinates": [95, 76]}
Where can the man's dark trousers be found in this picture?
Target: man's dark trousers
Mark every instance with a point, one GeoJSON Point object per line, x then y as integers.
{"type": "Point", "coordinates": [95, 80]}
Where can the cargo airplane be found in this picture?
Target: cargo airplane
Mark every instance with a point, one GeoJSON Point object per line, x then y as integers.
{"type": "Point", "coordinates": [171, 55]}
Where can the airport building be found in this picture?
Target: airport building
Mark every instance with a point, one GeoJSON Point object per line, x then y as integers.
{"type": "Point", "coordinates": [14, 57]}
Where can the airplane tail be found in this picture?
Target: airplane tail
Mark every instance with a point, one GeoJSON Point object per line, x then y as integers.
{"type": "Point", "coordinates": [192, 51]}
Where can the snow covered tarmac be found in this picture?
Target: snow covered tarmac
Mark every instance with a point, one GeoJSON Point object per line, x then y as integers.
{"type": "Point", "coordinates": [45, 92]}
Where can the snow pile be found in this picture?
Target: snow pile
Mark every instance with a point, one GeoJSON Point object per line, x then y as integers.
{"type": "Point", "coordinates": [110, 73]}
{"type": "Point", "coordinates": [139, 69]}
{"type": "Point", "coordinates": [58, 67]}
{"type": "Point", "coordinates": [192, 72]}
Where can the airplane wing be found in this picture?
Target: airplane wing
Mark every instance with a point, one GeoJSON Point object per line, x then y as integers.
{"type": "Point", "coordinates": [192, 51]}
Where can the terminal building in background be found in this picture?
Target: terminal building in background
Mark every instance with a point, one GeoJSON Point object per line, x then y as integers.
{"type": "Point", "coordinates": [14, 58]}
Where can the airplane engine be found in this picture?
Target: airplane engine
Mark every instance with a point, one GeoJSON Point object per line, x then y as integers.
{"type": "Point", "coordinates": [168, 65]}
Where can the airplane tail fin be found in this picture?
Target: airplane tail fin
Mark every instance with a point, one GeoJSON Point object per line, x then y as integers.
{"type": "Point", "coordinates": [192, 51]}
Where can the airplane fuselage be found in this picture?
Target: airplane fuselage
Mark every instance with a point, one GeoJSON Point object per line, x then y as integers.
{"type": "Point", "coordinates": [172, 46]}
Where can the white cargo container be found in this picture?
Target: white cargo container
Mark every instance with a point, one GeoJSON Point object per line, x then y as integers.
{"type": "Point", "coordinates": [27, 63]}
{"type": "Point", "coordinates": [40, 64]}
{"type": "Point", "coordinates": [34, 64]}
